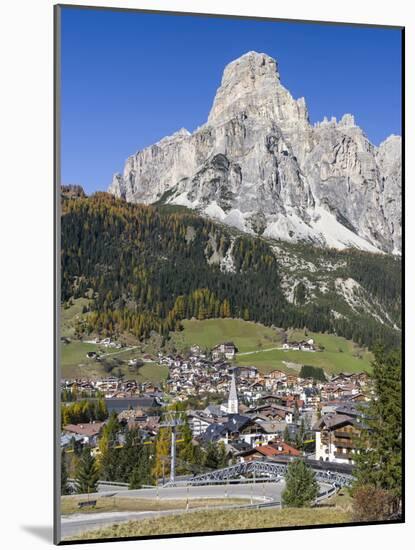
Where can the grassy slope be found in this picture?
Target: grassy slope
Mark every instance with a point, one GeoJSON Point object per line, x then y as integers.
{"type": "Point", "coordinates": [331, 362]}
{"type": "Point", "coordinates": [75, 363]}
{"type": "Point", "coordinates": [252, 336]}
{"type": "Point", "coordinates": [246, 335]}
{"type": "Point", "coordinates": [219, 520]}
{"type": "Point", "coordinates": [69, 315]}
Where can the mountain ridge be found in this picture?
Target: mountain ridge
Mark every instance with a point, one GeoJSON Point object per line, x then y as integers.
{"type": "Point", "coordinates": [260, 166]}
{"type": "Point", "coordinates": [148, 267]}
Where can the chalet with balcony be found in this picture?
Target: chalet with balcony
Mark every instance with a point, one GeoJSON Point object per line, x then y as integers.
{"type": "Point", "coordinates": [336, 436]}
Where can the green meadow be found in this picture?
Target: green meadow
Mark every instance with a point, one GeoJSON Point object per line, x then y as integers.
{"type": "Point", "coordinates": [256, 344]}
{"type": "Point", "coordinates": [246, 335]}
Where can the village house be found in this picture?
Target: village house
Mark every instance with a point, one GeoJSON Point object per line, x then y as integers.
{"type": "Point", "coordinates": [359, 397]}
{"type": "Point", "coordinates": [227, 350]}
{"type": "Point", "coordinates": [272, 411]}
{"type": "Point", "coordinates": [239, 428]}
{"type": "Point", "coordinates": [292, 380]}
{"type": "Point", "coordinates": [247, 372]}
{"type": "Point", "coordinates": [312, 396]}
{"type": "Point", "coordinates": [68, 438]}
{"type": "Point", "coordinates": [306, 345]}
{"type": "Point", "coordinates": [212, 411]}
{"type": "Point", "coordinates": [88, 431]}
{"type": "Point", "coordinates": [267, 430]}
{"type": "Point", "coordinates": [277, 374]}
{"type": "Point", "coordinates": [269, 451]}
{"type": "Point", "coordinates": [336, 438]}
{"type": "Point", "coordinates": [236, 447]}
{"type": "Point", "coordinates": [360, 378]}
{"type": "Point", "coordinates": [352, 409]}
{"type": "Point", "coordinates": [195, 350]}
{"type": "Point", "coordinates": [147, 426]}
{"type": "Point", "coordinates": [198, 423]}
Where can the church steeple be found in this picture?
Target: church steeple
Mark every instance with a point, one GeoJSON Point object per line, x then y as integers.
{"type": "Point", "coordinates": [233, 396]}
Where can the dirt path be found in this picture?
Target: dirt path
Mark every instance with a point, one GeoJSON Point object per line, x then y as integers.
{"type": "Point", "coordinates": [258, 351]}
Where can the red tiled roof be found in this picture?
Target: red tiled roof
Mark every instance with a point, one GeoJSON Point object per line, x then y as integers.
{"type": "Point", "coordinates": [286, 449]}
{"type": "Point", "coordinates": [266, 450]}
{"type": "Point", "coordinates": [272, 450]}
{"type": "Point", "coordinates": [86, 429]}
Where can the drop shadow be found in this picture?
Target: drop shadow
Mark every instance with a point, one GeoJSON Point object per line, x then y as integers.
{"type": "Point", "coordinates": [43, 532]}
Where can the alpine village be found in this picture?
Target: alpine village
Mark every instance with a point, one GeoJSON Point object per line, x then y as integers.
{"type": "Point", "coordinates": [218, 376]}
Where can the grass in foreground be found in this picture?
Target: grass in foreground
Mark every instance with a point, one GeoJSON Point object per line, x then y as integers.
{"type": "Point", "coordinates": [69, 504]}
{"type": "Point", "coordinates": [219, 520]}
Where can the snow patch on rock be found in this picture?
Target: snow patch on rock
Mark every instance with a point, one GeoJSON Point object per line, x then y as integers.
{"type": "Point", "coordinates": [227, 264]}
{"type": "Point", "coordinates": [337, 235]}
{"type": "Point", "coordinates": [213, 210]}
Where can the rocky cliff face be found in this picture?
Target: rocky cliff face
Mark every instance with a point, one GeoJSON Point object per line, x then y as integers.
{"type": "Point", "coordinates": [259, 165]}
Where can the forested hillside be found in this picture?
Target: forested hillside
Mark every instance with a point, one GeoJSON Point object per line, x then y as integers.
{"type": "Point", "coordinates": [146, 268]}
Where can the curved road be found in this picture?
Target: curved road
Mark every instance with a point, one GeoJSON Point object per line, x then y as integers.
{"type": "Point", "coordinates": [75, 524]}
{"type": "Point", "coordinates": [257, 493]}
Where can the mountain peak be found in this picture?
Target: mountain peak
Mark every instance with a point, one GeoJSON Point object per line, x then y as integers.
{"type": "Point", "coordinates": [247, 83]}
{"type": "Point", "coordinates": [258, 165]}
{"type": "Point", "coordinates": [251, 65]}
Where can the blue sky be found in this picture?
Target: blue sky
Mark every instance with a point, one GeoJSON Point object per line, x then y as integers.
{"type": "Point", "coordinates": [129, 79]}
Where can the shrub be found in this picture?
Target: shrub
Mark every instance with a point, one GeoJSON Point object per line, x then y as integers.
{"type": "Point", "coordinates": [373, 504]}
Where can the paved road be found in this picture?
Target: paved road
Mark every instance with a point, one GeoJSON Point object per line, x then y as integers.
{"type": "Point", "coordinates": [270, 491]}
{"type": "Point", "coordinates": [78, 523]}
{"type": "Point", "coordinates": [259, 492]}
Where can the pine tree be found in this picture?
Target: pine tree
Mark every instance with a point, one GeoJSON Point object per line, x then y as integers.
{"type": "Point", "coordinates": [210, 459]}
{"type": "Point", "coordinates": [186, 447]}
{"type": "Point", "coordinates": [108, 454]}
{"type": "Point", "coordinates": [141, 473]}
{"type": "Point", "coordinates": [300, 294]}
{"type": "Point", "coordinates": [161, 466]}
{"type": "Point", "coordinates": [101, 410]}
{"type": "Point", "coordinates": [301, 487]}
{"type": "Point", "coordinates": [379, 458]}
{"type": "Point", "coordinates": [226, 308]}
{"type": "Point", "coordinates": [128, 455]}
{"type": "Point", "coordinates": [299, 438]}
{"type": "Point", "coordinates": [135, 481]}
{"type": "Point", "coordinates": [215, 456]}
{"type": "Point", "coordinates": [286, 435]}
{"type": "Point", "coordinates": [87, 473]}
{"type": "Point", "coordinates": [65, 489]}
{"type": "Point", "coordinates": [222, 455]}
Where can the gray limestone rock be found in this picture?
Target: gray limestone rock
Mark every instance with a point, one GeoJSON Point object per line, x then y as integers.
{"type": "Point", "coordinates": [259, 165]}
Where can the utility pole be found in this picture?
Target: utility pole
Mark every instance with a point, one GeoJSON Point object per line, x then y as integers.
{"type": "Point", "coordinates": [173, 453]}
{"type": "Point", "coordinates": [172, 420]}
